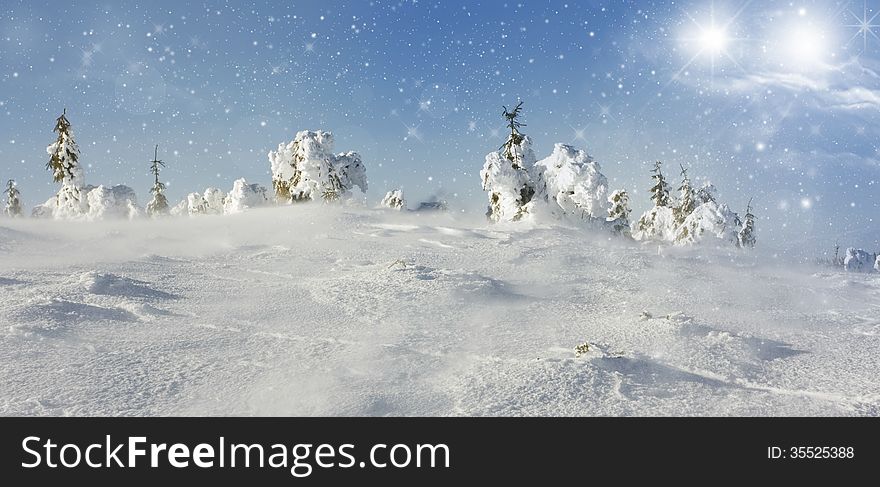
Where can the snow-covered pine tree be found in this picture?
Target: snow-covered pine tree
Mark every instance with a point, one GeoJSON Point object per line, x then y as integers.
{"type": "Point", "coordinates": [658, 223]}
{"type": "Point", "coordinates": [706, 193]}
{"type": "Point", "coordinates": [64, 164]}
{"type": "Point", "coordinates": [747, 234]}
{"type": "Point", "coordinates": [660, 190]}
{"type": "Point", "coordinates": [394, 200]}
{"type": "Point", "coordinates": [306, 169]}
{"type": "Point", "coordinates": [572, 184]}
{"type": "Point", "coordinates": [13, 200]}
{"type": "Point", "coordinates": [157, 206]}
{"type": "Point", "coordinates": [686, 203]}
{"type": "Point", "coordinates": [618, 213]}
{"type": "Point", "coordinates": [505, 174]}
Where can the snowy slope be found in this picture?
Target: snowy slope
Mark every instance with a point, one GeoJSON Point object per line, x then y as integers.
{"type": "Point", "coordinates": [310, 310]}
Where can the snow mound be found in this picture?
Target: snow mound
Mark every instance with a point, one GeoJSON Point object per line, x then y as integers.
{"type": "Point", "coordinates": [244, 196]}
{"type": "Point", "coordinates": [306, 169]}
{"type": "Point", "coordinates": [877, 264]}
{"type": "Point", "coordinates": [858, 260]}
{"type": "Point", "coordinates": [571, 179]}
{"type": "Point", "coordinates": [113, 285]}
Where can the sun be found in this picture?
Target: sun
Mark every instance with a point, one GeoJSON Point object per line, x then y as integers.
{"type": "Point", "coordinates": [714, 40]}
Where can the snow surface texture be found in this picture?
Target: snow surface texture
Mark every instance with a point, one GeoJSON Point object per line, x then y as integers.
{"type": "Point", "coordinates": [372, 312]}
{"type": "Point", "coordinates": [307, 169]}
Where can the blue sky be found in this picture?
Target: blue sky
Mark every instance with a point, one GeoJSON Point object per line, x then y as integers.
{"type": "Point", "coordinates": [772, 100]}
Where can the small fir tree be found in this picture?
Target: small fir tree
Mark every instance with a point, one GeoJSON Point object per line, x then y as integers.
{"type": "Point", "coordinates": [687, 203]}
{"type": "Point", "coordinates": [515, 137]}
{"type": "Point", "coordinates": [65, 167]}
{"type": "Point", "coordinates": [512, 150]}
{"type": "Point", "coordinates": [64, 154]}
{"type": "Point", "coordinates": [159, 204]}
{"type": "Point", "coordinates": [506, 172]}
{"type": "Point", "coordinates": [13, 200]}
{"type": "Point", "coordinates": [747, 234]}
{"type": "Point", "coordinates": [660, 190]}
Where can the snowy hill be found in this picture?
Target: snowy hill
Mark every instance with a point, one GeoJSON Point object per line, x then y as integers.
{"type": "Point", "coordinates": [313, 310]}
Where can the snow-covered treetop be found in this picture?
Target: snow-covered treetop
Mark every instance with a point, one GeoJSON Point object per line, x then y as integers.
{"type": "Point", "coordinates": [660, 190]}
{"type": "Point", "coordinates": [64, 155]}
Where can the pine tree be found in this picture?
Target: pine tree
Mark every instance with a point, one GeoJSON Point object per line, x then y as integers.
{"type": "Point", "coordinates": [686, 204]}
{"type": "Point", "coordinates": [159, 204]}
{"type": "Point", "coordinates": [660, 190]}
{"type": "Point", "coordinates": [618, 214]}
{"type": "Point", "coordinates": [515, 137]}
{"type": "Point", "coordinates": [13, 200]}
{"type": "Point", "coordinates": [506, 174]}
{"type": "Point", "coordinates": [512, 150]}
{"type": "Point", "coordinates": [747, 234]}
{"type": "Point", "coordinates": [70, 201]}
{"type": "Point", "coordinates": [64, 154]}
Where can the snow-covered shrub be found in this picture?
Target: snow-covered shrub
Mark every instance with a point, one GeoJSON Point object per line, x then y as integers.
{"type": "Point", "coordinates": [12, 208]}
{"type": "Point", "coordinates": [214, 201]}
{"type": "Point", "coordinates": [394, 200]}
{"type": "Point", "coordinates": [43, 210]}
{"type": "Point", "coordinates": [433, 205]}
{"type": "Point", "coordinates": [208, 203]}
{"type": "Point", "coordinates": [571, 182]}
{"type": "Point", "coordinates": [747, 238]}
{"type": "Point", "coordinates": [618, 213]}
{"type": "Point", "coordinates": [858, 260]}
{"type": "Point", "coordinates": [181, 208]}
{"type": "Point", "coordinates": [111, 202]}
{"type": "Point", "coordinates": [709, 220]}
{"type": "Point", "coordinates": [244, 196]}
{"type": "Point", "coordinates": [306, 169]}
{"type": "Point", "coordinates": [877, 264]}
{"type": "Point", "coordinates": [196, 204]}
{"type": "Point", "coordinates": [658, 223]}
